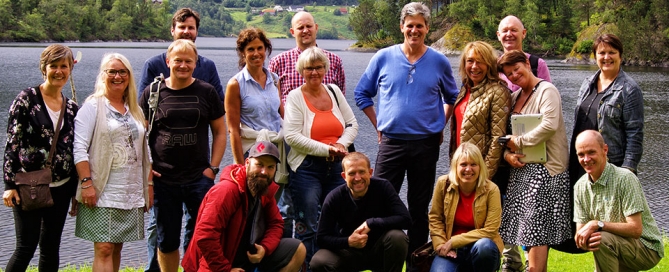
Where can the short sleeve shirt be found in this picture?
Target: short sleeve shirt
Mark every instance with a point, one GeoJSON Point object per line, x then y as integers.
{"type": "Point", "coordinates": [616, 195]}
{"type": "Point", "coordinates": [179, 139]}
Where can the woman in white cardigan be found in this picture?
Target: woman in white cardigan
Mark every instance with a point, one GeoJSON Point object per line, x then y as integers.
{"type": "Point", "coordinates": [112, 158]}
{"type": "Point", "coordinates": [319, 126]}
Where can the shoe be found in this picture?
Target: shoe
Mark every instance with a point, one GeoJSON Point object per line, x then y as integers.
{"type": "Point", "coordinates": [511, 266]}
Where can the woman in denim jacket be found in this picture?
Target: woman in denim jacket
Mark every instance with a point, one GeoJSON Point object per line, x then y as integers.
{"type": "Point", "coordinates": [610, 102]}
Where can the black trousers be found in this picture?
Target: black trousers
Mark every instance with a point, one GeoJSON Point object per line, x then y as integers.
{"type": "Point", "coordinates": [418, 160]}
{"type": "Point", "coordinates": [386, 254]}
{"type": "Point", "coordinates": [43, 227]}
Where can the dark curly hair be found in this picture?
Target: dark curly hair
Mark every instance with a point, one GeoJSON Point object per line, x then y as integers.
{"type": "Point", "coordinates": [247, 36]}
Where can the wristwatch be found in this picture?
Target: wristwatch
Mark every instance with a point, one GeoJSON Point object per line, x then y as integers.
{"type": "Point", "coordinates": [85, 179]}
{"type": "Point", "coordinates": [214, 169]}
{"type": "Point", "coordinates": [600, 225]}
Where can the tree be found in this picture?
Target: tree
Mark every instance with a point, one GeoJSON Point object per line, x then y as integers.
{"type": "Point", "coordinates": [363, 21]}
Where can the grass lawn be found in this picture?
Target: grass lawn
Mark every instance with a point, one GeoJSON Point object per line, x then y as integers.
{"type": "Point", "coordinates": [557, 261]}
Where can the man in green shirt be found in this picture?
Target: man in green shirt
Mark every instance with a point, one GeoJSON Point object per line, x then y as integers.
{"type": "Point", "coordinates": [611, 212]}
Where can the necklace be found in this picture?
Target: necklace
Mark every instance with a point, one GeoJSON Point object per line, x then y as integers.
{"type": "Point", "coordinates": [527, 99]}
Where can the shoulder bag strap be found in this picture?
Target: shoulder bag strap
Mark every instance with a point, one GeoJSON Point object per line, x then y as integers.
{"type": "Point", "coordinates": [333, 94]}
{"type": "Point", "coordinates": [154, 95]}
{"type": "Point", "coordinates": [54, 140]}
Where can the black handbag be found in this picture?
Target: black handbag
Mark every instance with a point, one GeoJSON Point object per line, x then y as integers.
{"type": "Point", "coordinates": [422, 257]}
{"type": "Point", "coordinates": [33, 186]}
{"type": "Point", "coordinates": [351, 148]}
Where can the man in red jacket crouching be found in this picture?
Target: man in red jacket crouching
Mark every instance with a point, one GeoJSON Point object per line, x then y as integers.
{"type": "Point", "coordinates": [239, 227]}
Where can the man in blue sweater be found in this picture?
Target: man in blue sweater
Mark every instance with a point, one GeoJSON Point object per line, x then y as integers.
{"type": "Point", "coordinates": [185, 24]}
{"type": "Point", "coordinates": [416, 92]}
{"type": "Point", "coordinates": [361, 223]}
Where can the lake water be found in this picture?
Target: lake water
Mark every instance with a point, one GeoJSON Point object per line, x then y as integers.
{"type": "Point", "coordinates": [19, 69]}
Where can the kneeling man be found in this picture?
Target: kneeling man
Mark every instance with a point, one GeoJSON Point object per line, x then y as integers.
{"type": "Point", "coordinates": [239, 227]}
{"type": "Point", "coordinates": [361, 223]}
{"type": "Point", "coordinates": [611, 212]}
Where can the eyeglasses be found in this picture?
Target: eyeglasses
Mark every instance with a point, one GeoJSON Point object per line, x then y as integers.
{"type": "Point", "coordinates": [412, 71]}
{"type": "Point", "coordinates": [319, 69]}
{"type": "Point", "coordinates": [113, 73]}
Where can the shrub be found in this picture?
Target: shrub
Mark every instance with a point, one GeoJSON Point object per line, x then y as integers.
{"type": "Point", "coordinates": [584, 47]}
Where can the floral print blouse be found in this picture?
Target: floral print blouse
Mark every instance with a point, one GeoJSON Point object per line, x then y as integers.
{"type": "Point", "coordinates": [29, 134]}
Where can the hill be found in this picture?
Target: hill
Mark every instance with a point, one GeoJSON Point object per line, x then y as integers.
{"type": "Point", "coordinates": [331, 24]}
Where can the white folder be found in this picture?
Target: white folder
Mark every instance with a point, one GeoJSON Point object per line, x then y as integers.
{"type": "Point", "coordinates": [521, 124]}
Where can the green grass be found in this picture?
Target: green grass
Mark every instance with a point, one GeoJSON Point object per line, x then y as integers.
{"type": "Point", "coordinates": [323, 15]}
{"type": "Point", "coordinates": [557, 261]}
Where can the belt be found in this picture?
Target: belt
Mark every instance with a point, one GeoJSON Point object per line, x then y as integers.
{"type": "Point", "coordinates": [327, 159]}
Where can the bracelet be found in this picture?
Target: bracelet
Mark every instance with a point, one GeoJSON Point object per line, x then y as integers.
{"type": "Point", "coordinates": [87, 186]}
{"type": "Point", "coordinates": [151, 183]}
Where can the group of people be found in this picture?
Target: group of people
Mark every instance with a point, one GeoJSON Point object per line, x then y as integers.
{"type": "Point", "coordinates": [298, 197]}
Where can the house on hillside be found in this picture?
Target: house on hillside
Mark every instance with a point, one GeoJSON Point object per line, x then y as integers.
{"type": "Point", "coordinates": [271, 11]}
{"type": "Point", "coordinates": [278, 8]}
{"type": "Point", "coordinates": [295, 8]}
{"type": "Point", "coordinates": [343, 10]}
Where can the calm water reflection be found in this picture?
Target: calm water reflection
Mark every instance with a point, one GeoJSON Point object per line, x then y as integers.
{"type": "Point", "coordinates": [19, 69]}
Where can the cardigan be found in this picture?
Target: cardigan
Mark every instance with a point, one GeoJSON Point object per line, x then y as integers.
{"type": "Point", "coordinates": [99, 159]}
{"type": "Point", "coordinates": [297, 124]}
{"type": "Point", "coordinates": [29, 136]}
{"type": "Point", "coordinates": [548, 103]}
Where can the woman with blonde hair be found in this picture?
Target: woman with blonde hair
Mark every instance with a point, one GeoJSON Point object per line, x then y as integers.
{"type": "Point", "coordinates": [112, 159]}
{"type": "Point", "coordinates": [481, 110]}
{"type": "Point", "coordinates": [465, 216]}
{"type": "Point", "coordinates": [319, 126]}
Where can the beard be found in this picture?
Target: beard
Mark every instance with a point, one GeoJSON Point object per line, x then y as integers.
{"type": "Point", "coordinates": [258, 183]}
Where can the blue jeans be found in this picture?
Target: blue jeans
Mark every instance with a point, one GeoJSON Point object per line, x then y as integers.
{"type": "Point", "coordinates": [309, 185]}
{"type": "Point", "coordinates": [171, 202]}
{"type": "Point", "coordinates": [480, 256]}
{"type": "Point", "coordinates": [285, 203]}
{"type": "Point", "coordinates": [152, 239]}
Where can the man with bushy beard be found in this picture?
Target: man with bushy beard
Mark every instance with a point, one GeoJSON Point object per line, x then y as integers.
{"type": "Point", "coordinates": [238, 226]}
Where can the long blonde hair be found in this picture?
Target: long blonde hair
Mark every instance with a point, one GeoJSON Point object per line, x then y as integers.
{"type": "Point", "coordinates": [130, 94]}
{"type": "Point", "coordinates": [467, 150]}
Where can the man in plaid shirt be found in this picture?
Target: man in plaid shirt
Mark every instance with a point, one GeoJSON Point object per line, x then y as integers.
{"type": "Point", "coordinates": [304, 29]}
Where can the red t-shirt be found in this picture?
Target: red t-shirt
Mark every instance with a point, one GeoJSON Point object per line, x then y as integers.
{"type": "Point", "coordinates": [464, 214]}
{"type": "Point", "coordinates": [459, 113]}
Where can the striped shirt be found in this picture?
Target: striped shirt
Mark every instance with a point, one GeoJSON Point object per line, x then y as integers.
{"type": "Point", "coordinates": [616, 195]}
{"type": "Point", "coordinates": [290, 79]}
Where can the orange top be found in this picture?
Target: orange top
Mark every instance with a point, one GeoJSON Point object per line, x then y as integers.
{"type": "Point", "coordinates": [325, 128]}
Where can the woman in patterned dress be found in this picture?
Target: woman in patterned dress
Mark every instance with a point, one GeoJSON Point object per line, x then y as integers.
{"type": "Point", "coordinates": [536, 212]}
{"type": "Point", "coordinates": [111, 156]}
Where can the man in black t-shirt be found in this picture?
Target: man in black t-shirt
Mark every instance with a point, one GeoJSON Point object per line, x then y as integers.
{"type": "Point", "coordinates": [183, 171]}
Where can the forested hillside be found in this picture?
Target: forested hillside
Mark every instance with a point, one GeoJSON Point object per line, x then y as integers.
{"type": "Point", "coordinates": [89, 20]}
{"type": "Point", "coordinates": [85, 20]}
{"type": "Point", "coordinates": [554, 27]}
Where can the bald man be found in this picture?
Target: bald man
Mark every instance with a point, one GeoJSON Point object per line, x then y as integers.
{"type": "Point", "coordinates": [611, 212]}
{"type": "Point", "coordinates": [511, 34]}
{"type": "Point", "coordinates": [304, 29]}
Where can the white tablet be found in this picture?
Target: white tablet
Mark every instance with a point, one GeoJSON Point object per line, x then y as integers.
{"type": "Point", "coordinates": [520, 124]}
